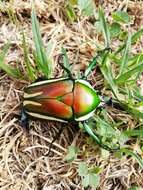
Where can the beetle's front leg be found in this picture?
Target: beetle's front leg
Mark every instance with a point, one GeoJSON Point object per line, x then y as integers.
{"type": "Point", "coordinates": [93, 63]}
{"type": "Point", "coordinates": [98, 140]}
{"type": "Point", "coordinates": [64, 67]}
{"type": "Point", "coordinates": [24, 120]}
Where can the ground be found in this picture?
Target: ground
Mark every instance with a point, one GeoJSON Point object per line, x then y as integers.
{"type": "Point", "coordinates": [23, 164]}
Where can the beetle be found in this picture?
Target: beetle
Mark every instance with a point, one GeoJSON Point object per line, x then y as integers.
{"type": "Point", "coordinates": [64, 100]}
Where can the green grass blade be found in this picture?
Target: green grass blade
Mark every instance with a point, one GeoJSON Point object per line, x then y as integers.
{"type": "Point", "coordinates": [65, 59]}
{"type": "Point", "coordinates": [91, 133]}
{"type": "Point", "coordinates": [132, 109]}
{"type": "Point", "coordinates": [104, 26]}
{"type": "Point", "coordinates": [91, 65]}
{"type": "Point", "coordinates": [70, 13]}
{"type": "Point", "coordinates": [124, 77]}
{"type": "Point", "coordinates": [13, 72]}
{"type": "Point", "coordinates": [40, 50]}
{"type": "Point", "coordinates": [134, 133]}
{"type": "Point", "coordinates": [131, 153]}
{"type": "Point", "coordinates": [86, 7]}
{"type": "Point", "coordinates": [135, 37]}
{"type": "Point", "coordinates": [106, 70]}
{"type": "Point", "coordinates": [125, 56]}
{"type": "Point", "coordinates": [29, 69]}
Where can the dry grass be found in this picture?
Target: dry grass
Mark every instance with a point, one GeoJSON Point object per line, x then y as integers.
{"type": "Point", "coordinates": [23, 165]}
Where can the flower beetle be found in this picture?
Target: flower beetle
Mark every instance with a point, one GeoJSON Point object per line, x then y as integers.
{"type": "Point", "coordinates": [63, 99]}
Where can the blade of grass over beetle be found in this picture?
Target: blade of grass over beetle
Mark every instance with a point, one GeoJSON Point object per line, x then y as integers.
{"type": "Point", "coordinates": [29, 69]}
{"type": "Point", "coordinates": [125, 56]}
{"type": "Point", "coordinates": [40, 50]}
{"type": "Point", "coordinates": [104, 27]}
{"type": "Point", "coordinates": [13, 72]}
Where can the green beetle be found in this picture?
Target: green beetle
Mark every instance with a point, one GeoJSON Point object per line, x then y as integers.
{"type": "Point", "coordinates": [62, 99]}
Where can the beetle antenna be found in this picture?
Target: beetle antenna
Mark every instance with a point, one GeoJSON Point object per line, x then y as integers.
{"type": "Point", "coordinates": [56, 137]}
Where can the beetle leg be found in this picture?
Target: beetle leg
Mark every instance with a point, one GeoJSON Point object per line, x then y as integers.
{"type": "Point", "coordinates": [107, 101]}
{"type": "Point", "coordinates": [24, 120]}
{"type": "Point", "coordinates": [98, 140]}
{"type": "Point", "coordinates": [67, 70]}
{"type": "Point", "coordinates": [93, 63]}
{"type": "Point", "coordinates": [56, 137]}
{"type": "Point", "coordinates": [63, 66]}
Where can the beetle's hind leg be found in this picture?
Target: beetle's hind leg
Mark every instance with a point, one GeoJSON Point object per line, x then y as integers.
{"type": "Point", "coordinates": [24, 120]}
{"type": "Point", "coordinates": [56, 137]}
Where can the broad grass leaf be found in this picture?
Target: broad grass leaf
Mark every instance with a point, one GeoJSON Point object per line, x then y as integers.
{"type": "Point", "coordinates": [105, 28]}
{"type": "Point", "coordinates": [41, 58]}
{"type": "Point", "coordinates": [124, 77]}
{"type": "Point", "coordinates": [125, 56]}
{"type": "Point", "coordinates": [30, 70]}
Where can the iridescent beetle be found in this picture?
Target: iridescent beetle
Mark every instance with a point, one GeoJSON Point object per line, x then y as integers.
{"type": "Point", "coordinates": [63, 99]}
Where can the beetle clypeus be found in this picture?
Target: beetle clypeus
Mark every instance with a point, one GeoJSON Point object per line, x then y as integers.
{"type": "Point", "coordinates": [64, 100]}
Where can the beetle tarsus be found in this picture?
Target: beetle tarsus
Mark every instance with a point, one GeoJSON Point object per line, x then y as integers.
{"type": "Point", "coordinates": [114, 104]}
